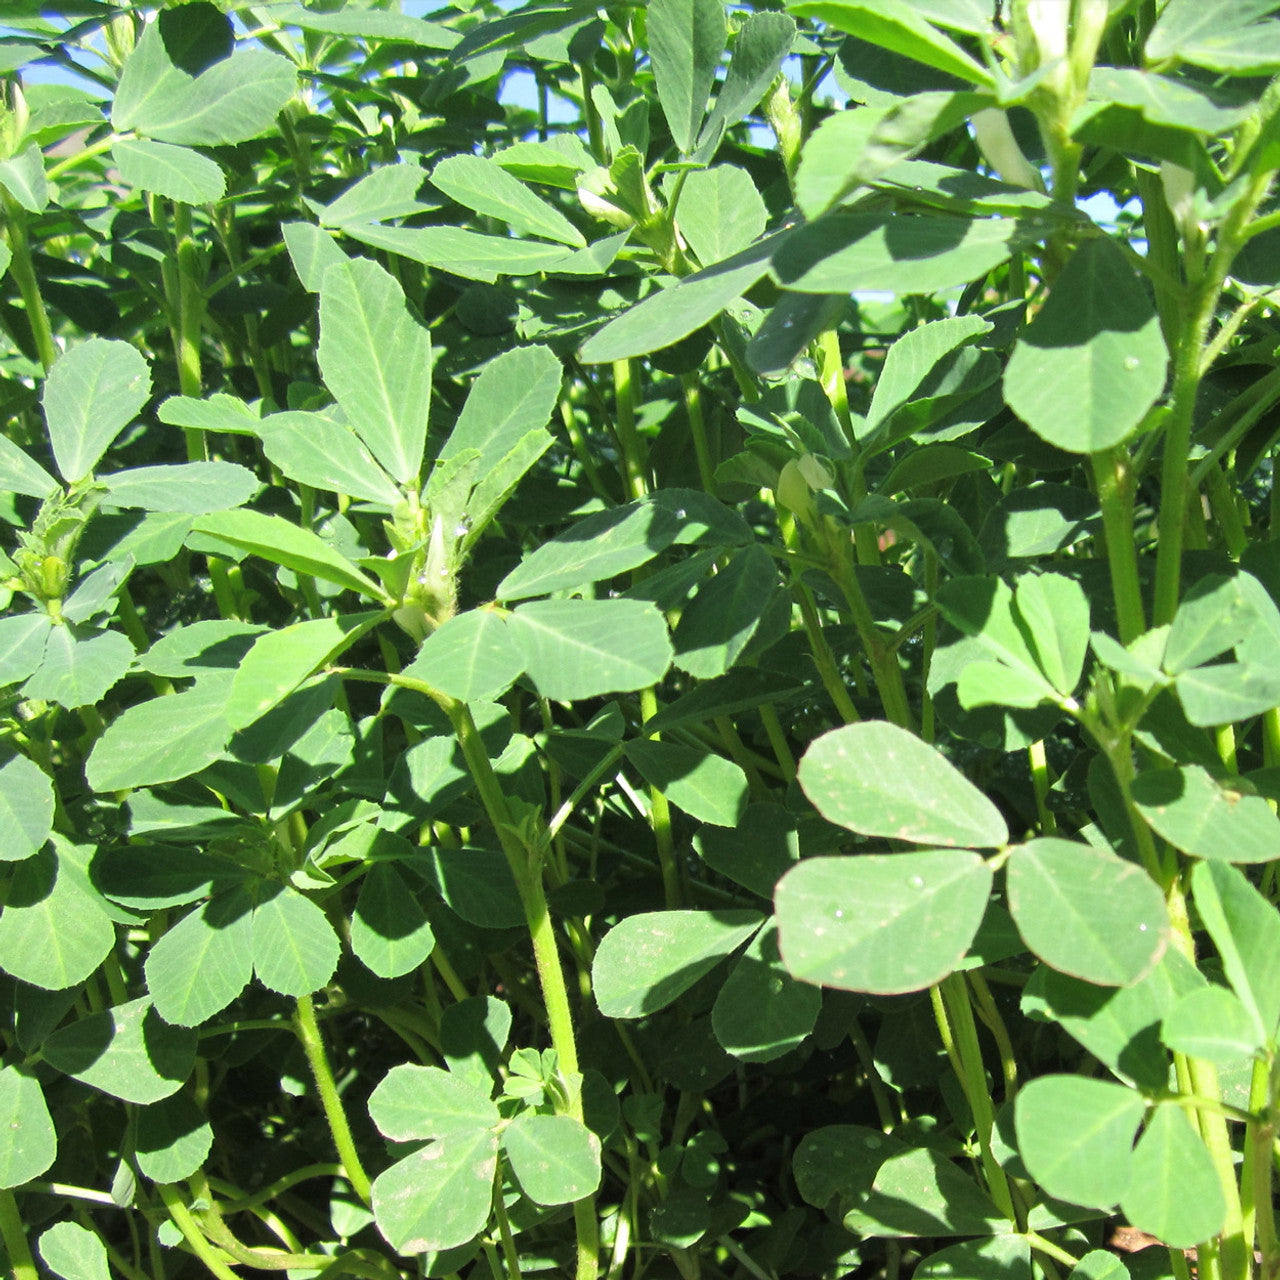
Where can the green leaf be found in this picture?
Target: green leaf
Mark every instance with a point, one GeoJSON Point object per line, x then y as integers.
{"type": "Point", "coordinates": [280, 661]}
{"type": "Point", "coordinates": [28, 1141]}
{"type": "Point", "coordinates": [22, 176]}
{"type": "Point", "coordinates": [1076, 1137]}
{"type": "Point", "coordinates": [26, 809]}
{"type": "Point", "coordinates": [675, 312]}
{"type": "Point", "coordinates": [204, 961]}
{"type": "Point", "coordinates": [376, 359]}
{"type": "Point", "coordinates": [556, 1159]}
{"type": "Point", "coordinates": [1098, 1264]}
{"type": "Point", "coordinates": [879, 780]}
{"type": "Point", "coordinates": [147, 876]}
{"type": "Point", "coordinates": [841, 1160]}
{"type": "Point", "coordinates": [368, 24]}
{"type": "Point", "coordinates": [922, 1193]}
{"type": "Point", "coordinates": [759, 50]}
{"type": "Point", "coordinates": [439, 1197]}
{"type": "Point", "coordinates": [174, 1139]}
{"type": "Point", "coordinates": [706, 786]}
{"type": "Point", "coordinates": [314, 449]}
{"type": "Point", "coordinates": [898, 253]}
{"type": "Point", "coordinates": [54, 931]}
{"type": "Point", "coordinates": [647, 960]}
{"type": "Point", "coordinates": [881, 923]}
{"type": "Point", "coordinates": [195, 488]}
{"type": "Point", "coordinates": [1086, 370]}
{"type": "Point", "coordinates": [756, 852]}
{"type": "Point", "coordinates": [1227, 40]}
{"type": "Point", "coordinates": [477, 884]}
{"type": "Point", "coordinates": [79, 666]}
{"type": "Point", "coordinates": [91, 394]}
{"type": "Point", "coordinates": [127, 1051]}
{"type": "Point", "coordinates": [1245, 929]}
{"type": "Point", "coordinates": [575, 649]}
{"type": "Point", "coordinates": [74, 1252]}
{"type": "Point", "coordinates": [718, 623]}
{"type": "Point", "coordinates": [466, 253]}
{"type": "Point", "coordinates": [1175, 1192]}
{"type": "Point", "coordinates": [177, 173]}
{"type": "Point", "coordinates": [425, 1102]}
{"type": "Point", "coordinates": [996, 1258]}
{"type": "Point", "coordinates": [282, 542]}
{"type": "Point", "coordinates": [390, 191]}
{"type": "Point", "coordinates": [1054, 610]}
{"type": "Point", "coordinates": [1227, 692]}
{"type": "Point", "coordinates": [163, 739]}
{"type": "Point", "coordinates": [608, 543]}
{"type": "Point", "coordinates": [231, 101]}
{"type": "Point", "coordinates": [1180, 104]}
{"type": "Point", "coordinates": [1086, 912]}
{"type": "Point", "coordinates": [1212, 1023]}
{"type": "Point", "coordinates": [686, 42]}
{"type": "Point", "coordinates": [1205, 818]}
{"type": "Point", "coordinates": [295, 949]}
{"type": "Point", "coordinates": [720, 212]}
{"type": "Point", "coordinates": [390, 933]}
{"type": "Point", "coordinates": [895, 25]}
{"type": "Point", "coordinates": [23, 637]}
{"type": "Point", "coordinates": [1212, 617]}
{"type": "Point", "coordinates": [486, 187]}
{"type": "Point", "coordinates": [20, 474]}
{"type": "Point", "coordinates": [218, 412]}
{"type": "Point", "coordinates": [762, 1012]}
{"type": "Point", "coordinates": [471, 657]}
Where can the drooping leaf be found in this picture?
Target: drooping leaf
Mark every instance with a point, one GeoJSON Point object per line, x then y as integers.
{"type": "Point", "coordinates": [706, 786]}
{"type": "Point", "coordinates": [762, 1012]}
{"type": "Point", "coordinates": [425, 1102]}
{"type": "Point", "coordinates": [376, 359]}
{"type": "Point", "coordinates": [28, 1141]}
{"type": "Point", "coordinates": [1204, 818]}
{"type": "Point", "coordinates": [127, 1051]}
{"type": "Point", "coordinates": [173, 1139]}
{"type": "Point", "coordinates": [204, 961]}
{"type": "Point", "coordinates": [295, 949]}
{"type": "Point", "coordinates": [647, 960]}
{"type": "Point", "coordinates": [485, 186]}
{"type": "Point", "coordinates": [1245, 929]}
{"type": "Point", "coordinates": [1086, 911]}
{"type": "Point", "coordinates": [26, 809]}
{"type": "Point", "coordinates": [55, 929]}
{"type": "Point", "coordinates": [878, 779]}
{"type": "Point", "coordinates": [1175, 1191]}
{"type": "Point", "coordinates": [556, 1159]}
{"type": "Point", "coordinates": [881, 923]}
{"type": "Point", "coordinates": [163, 739]}
{"type": "Point", "coordinates": [74, 1252]}
{"type": "Point", "coordinates": [438, 1197]}
{"type": "Point", "coordinates": [1076, 1137]}
{"type": "Point", "coordinates": [718, 623]}
{"type": "Point", "coordinates": [282, 542]}
{"type": "Point", "coordinates": [576, 649]}
{"type": "Point", "coordinates": [91, 394]}
{"type": "Point", "coordinates": [162, 169]}
{"type": "Point", "coordinates": [1093, 361]}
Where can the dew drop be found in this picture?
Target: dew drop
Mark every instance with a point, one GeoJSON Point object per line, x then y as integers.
{"type": "Point", "coordinates": [871, 1142]}
{"type": "Point", "coordinates": [916, 882]}
{"type": "Point", "coordinates": [1142, 928]}
{"type": "Point", "coordinates": [839, 913]}
{"type": "Point", "coordinates": [1131, 363]}
{"type": "Point", "coordinates": [680, 513]}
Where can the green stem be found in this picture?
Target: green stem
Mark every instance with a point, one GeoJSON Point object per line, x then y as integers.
{"type": "Point", "coordinates": [973, 1080]}
{"type": "Point", "coordinates": [23, 271]}
{"type": "Point", "coordinates": [1226, 514]}
{"type": "Point", "coordinates": [308, 1032]}
{"type": "Point", "coordinates": [1113, 475]}
{"type": "Point", "coordinates": [190, 321]}
{"type": "Point", "coordinates": [190, 1228]}
{"type": "Point", "coordinates": [633, 465]}
{"type": "Point", "coordinates": [698, 429]}
{"type": "Point", "coordinates": [823, 658]}
{"type": "Point", "coordinates": [14, 1234]}
{"type": "Point", "coordinates": [660, 818]}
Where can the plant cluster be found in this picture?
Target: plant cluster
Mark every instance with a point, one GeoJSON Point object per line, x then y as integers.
{"type": "Point", "coordinates": [678, 681]}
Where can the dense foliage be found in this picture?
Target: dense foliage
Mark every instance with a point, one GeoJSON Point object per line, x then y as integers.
{"type": "Point", "coordinates": [613, 667]}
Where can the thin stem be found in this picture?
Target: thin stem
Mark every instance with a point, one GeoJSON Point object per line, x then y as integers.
{"type": "Point", "coordinates": [660, 819]}
{"type": "Point", "coordinates": [823, 658]}
{"type": "Point", "coordinates": [190, 321]}
{"type": "Point", "coordinates": [23, 271]}
{"type": "Point", "coordinates": [633, 465]}
{"type": "Point", "coordinates": [698, 429]}
{"type": "Point", "coordinates": [191, 1232]}
{"type": "Point", "coordinates": [308, 1032]}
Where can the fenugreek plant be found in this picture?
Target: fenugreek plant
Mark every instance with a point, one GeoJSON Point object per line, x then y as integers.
{"type": "Point", "coordinates": [639, 640]}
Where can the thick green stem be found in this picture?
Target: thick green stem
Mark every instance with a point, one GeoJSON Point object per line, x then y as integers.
{"type": "Point", "coordinates": [308, 1032]}
{"type": "Point", "coordinates": [629, 442]}
{"type": "Point", "coordinates": [14, 1234]}
{"type": "Point", "coordinates": [1113, 475]}
{"type": "Point", "coordinates": [698, 430]}
{"type": "Point", "coordinates": [191, 1232]}
{"type": "Point", "coordinates": [188, 309]}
